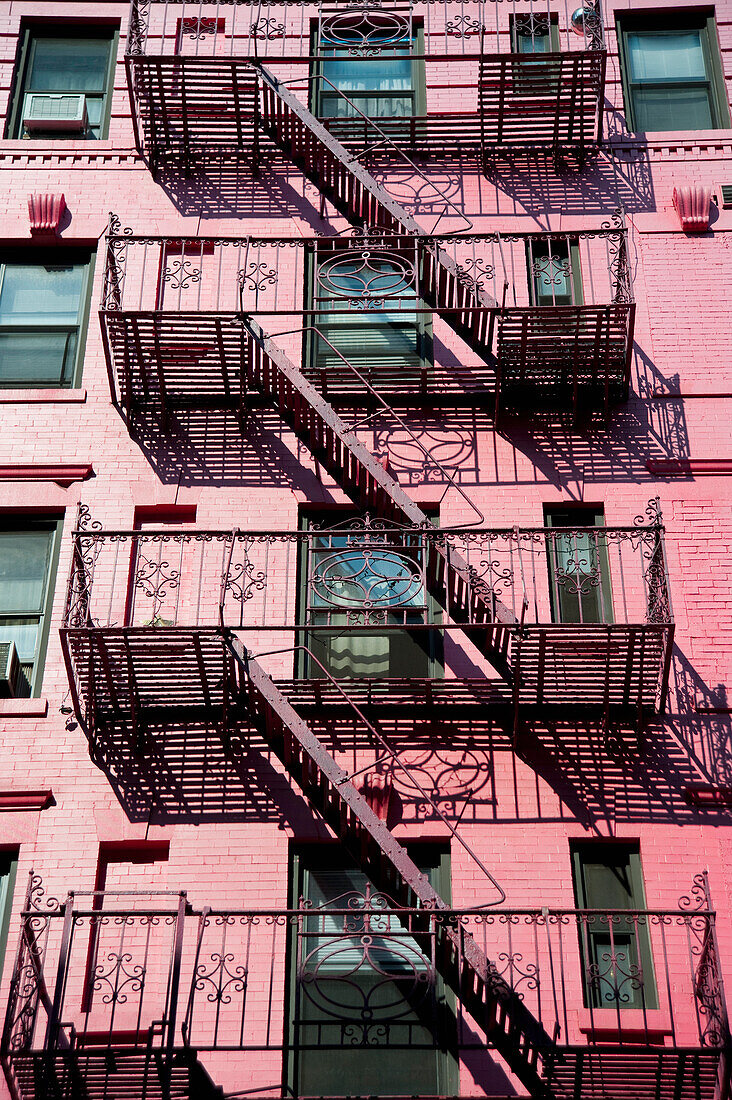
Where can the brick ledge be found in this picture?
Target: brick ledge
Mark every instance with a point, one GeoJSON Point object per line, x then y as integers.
{"type": "Point", "coordinates": [23, 708]}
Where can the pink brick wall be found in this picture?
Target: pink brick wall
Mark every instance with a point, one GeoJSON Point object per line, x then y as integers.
{"type": "Point", "coordinates": [229, 832]}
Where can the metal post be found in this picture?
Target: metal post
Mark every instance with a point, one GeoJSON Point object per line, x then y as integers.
{"type": "Point", "coordinates": [174, 985]}
{"type": "Point", "coordinates": [67, 908]}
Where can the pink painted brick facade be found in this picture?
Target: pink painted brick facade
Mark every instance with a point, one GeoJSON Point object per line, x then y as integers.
{"type": "Point", "coordinates": [223, 826]}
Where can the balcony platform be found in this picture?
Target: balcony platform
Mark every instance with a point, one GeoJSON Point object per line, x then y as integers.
{"type": "Point", "coordinates": [180, 361]}
{"type": "Point", "coordinates": [140, 677]}
{"type": "Point", "coordinates": [612, 667]}
{"type": "Point", "coordinates": [563, 357]}
{"type": "Point", "coordinates": [592, 1073]}
{"type": "Point", "coordinates": [188, 110]}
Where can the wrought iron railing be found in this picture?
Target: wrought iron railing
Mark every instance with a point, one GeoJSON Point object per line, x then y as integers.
{"type": "Point", "coordinates": [360, 275]}
{"type": "Point", "coordinates": [139, 971]}
{"type": "Point", "coordinates": [363, 574]}
{"type": "Point", "coordinates": [292, 32]}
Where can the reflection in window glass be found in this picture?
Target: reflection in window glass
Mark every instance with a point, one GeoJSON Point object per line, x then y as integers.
{"type": "Point", "coordinates": [40, 314]}
{"type": "Point", "coordinates": [25, 559]}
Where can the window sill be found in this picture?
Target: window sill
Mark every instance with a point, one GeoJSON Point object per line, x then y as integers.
{"type": "Point", "coordinates": [23, 708]}
{"type": "Point", "coordinates": [671, 137]}
{"type": "Point", "coordinates": [56, 395]}
{"type": "Point", "coordinates": [634, 1026]}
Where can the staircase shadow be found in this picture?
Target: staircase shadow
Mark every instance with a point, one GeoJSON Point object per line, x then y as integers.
{"type": "Point", "coordinates": [211, 447]}
{"type": "Point", "coordinates": [613, 176]}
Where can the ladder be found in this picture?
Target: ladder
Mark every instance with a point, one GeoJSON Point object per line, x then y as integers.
{"type": "Point", "coordinates": [488, 622]}
{"type": "Point", "coordinates": [514, 1031]}
{"type": "Point", "coordinates": [353, 191]}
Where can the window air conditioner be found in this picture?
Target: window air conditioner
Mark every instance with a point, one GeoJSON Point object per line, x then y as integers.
{"type": "Point", "coordinates": [54, 111]}
{"type": "Point", "coordinates": [10, 671]}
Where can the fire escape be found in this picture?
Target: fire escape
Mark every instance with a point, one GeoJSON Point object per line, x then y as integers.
{"type": "Point", "coordinates": [200, 647]}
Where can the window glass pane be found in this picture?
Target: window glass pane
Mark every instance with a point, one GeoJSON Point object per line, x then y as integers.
{"type": "Point", "coordinates": [551, 269]}
{"type": "Point", "coordinates": [608, 883]}
{"type": "Point", "coordinates": [68, 65]}
{"type": "Point", "coordinates": [672, 108]}
{"type": "Point", "coordinates": [538, 42]}
{"type": "Point", "coordinates": [30, 358]}
{"type": "Point", "coordinates": [666, 56]}
{"type": "Point", "coordinates": [24, 560]}
{"type": "Point", "coordinates": [41, 294]}
{"type": "Point", "coordinates": [386, 74]}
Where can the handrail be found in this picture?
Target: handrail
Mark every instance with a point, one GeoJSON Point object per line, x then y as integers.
{"type": "Point", "coordinates": [394, 756]}
{"type": "Point", "coordinates": [385, 407]}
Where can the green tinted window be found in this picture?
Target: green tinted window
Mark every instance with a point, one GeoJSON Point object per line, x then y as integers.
{"type": "Point", "coordinates": [26, 560]}
{"type": "Point", "coordinates": [672, 75]}
{"type": "Point", "coordinates": [54, 65]}
{"type": "Point", "coordinates": [368, 1018]}
{"type": "Point", "coordinates": [616, 953]}
{"type": "Point", "coordinates": [41, 311]}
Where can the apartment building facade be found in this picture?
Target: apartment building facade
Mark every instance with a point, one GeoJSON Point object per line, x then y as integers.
{"type": "Point", "coordinates": [365, 520]}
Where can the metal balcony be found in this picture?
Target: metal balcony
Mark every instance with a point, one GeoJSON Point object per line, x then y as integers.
{"type": "Point", "coordinates": [531, 324]}
{"type": "Point", "coordinates": [146, 996]}
{"type": "Point", "coordinates": [199, 76]}
{"type": "Point", "coordinates": [586, 628]}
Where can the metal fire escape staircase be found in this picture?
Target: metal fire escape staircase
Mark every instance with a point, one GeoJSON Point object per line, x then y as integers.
{"type": "Point", "coordinates": [518, 1036]}
{"type": "Point", "coordinates": [342, 178]}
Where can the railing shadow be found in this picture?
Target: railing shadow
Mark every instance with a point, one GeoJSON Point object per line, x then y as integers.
{"type": "Point", "coordinates": [612, 177]}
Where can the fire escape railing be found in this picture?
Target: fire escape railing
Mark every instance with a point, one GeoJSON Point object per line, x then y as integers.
{"type": "Point", "coordinates": [176, 54]}
{"type": "Point", "coordinates": [545, 320]}
{"type": "Point", "coordinates": [604, 982]}
{"type": "Point", "coordinates": [587, 610]}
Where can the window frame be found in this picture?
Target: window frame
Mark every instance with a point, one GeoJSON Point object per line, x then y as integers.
{"type": "Point", "coordinates": [8, 858]}
{"type": "Point", "coordinates": [17, 522]}
{"type": "Point", "coordinates": [605, 595]}
{"type": "Point", "coordinates": [575, 266]}
{"type": "Point", "coordinates": [435, 636]}
{"type": "Point", "coordinates": [43, 29]}
{"type": "Point", "coordinates": [554, 42]}
{"type": "Point", "coordinates": [435, 860]}
{"type": "Point", "coordinates": [424, 320]}
{"type": "Point", "coordinates": [42, 257]}
{"type": "Point", "coordinates": [705, 22]}
{"type": "Point", "coordinates": [418, 90]}
{"type": "Point", "coordinates": [579, 851]}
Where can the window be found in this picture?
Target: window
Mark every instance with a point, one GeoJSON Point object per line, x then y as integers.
{"type": "Point", "coordinates": [380, 1017]}
{"type": "Point", "coordinates": [579, 571]}
{"type": "Point", "coordinates": [554, 272]}
{"type": "Point", "coordinates": [74, 73]}
{"type": "Point", "coordinates": [8, 868]}
{"type": "Point", "coordinates": [672, 73]}
{"type": "Point", "coordinates": [368, 317]}
{"type": "Point", "coordinates": [616, 954]}
{"type": "Point", "coordinates": [28, 555]}
{"type": "Point", "coordinates": [357, 577]}
{"type": "Point", "coordinates": [534, 34]}
{"type": "Point", "coordinates": [43, 308]}
{"type": "Point", "coordinates": [368, 58]}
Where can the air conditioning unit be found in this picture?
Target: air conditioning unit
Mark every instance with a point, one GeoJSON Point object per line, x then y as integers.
{"type": "Point", "coordinates": [54, 111]}
{"type": "Point", "coordinates": [11, 673]}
